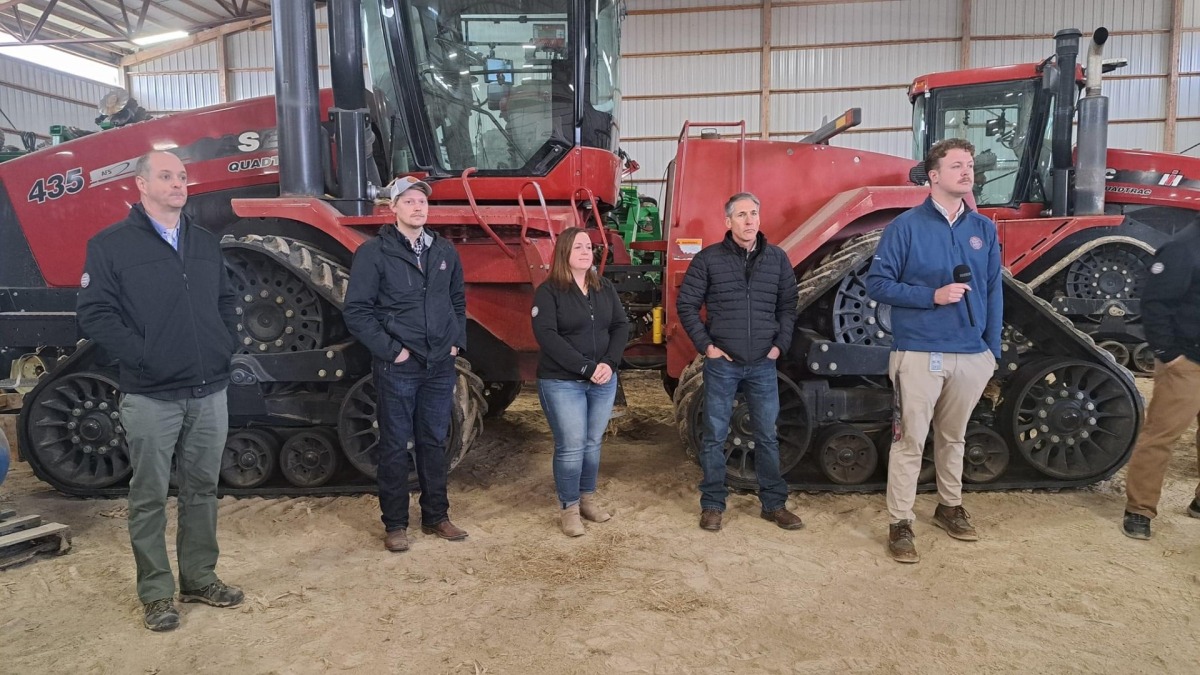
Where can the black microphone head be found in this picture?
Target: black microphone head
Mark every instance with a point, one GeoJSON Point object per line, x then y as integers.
{"type": "Point", "coordinates": [962, 274]}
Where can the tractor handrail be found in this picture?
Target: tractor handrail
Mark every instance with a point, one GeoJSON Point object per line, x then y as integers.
{"type": "Point", "coordinates": [479, 216]}
{"type": "Point", "coordinates": [525, 216]}
{"type": "Point", "coordinates": [741, 155]}
{"type": "Point", "coordinates": [599, 223]}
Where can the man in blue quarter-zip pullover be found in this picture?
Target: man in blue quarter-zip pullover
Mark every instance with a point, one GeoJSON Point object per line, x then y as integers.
{"type": "Point", "coordinates": [155, 297]}
{"type": "Point", "coordinates": [938, 266]}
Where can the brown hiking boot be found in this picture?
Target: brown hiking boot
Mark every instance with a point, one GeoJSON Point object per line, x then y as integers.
{"type": "Point", "coordinates": [900, 542]}
{"type": "Point", "coordinates": [783, 518]}
{"type": "Point", "coordinates": [446, 530]}
{"type": "Point", "coordinates": [710, 519]}
{"type": "Point", "coordinates": [955, 521]}
{"type": "Point", "coordinates": [396, 541]}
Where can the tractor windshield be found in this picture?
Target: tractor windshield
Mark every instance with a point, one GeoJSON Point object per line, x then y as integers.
{"type": "Point", "coordinates": [500, 87]}
{"type": "Point", "coordinates": [1005, 121]}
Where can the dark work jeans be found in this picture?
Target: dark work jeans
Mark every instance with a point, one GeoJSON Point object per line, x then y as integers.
{"type": "Point", "coordinates": [761, 389]}
{"type": "Point", "coordinates": [415, 404]}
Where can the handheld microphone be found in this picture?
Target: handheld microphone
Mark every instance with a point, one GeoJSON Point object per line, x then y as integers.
{"type": "Point", "coordinates": [962, 275]}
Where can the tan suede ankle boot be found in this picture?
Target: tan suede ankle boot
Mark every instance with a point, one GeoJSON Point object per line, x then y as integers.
{"type": "Point", "coordinates": [590, 507]}
{"type": "Point", "coordinates": [572, 526]}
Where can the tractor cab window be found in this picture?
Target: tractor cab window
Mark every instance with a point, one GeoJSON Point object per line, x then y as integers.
{"type": "Point", "coordinates": [996, 119]}
{"type": "Point", "coordinates": [920, 147]}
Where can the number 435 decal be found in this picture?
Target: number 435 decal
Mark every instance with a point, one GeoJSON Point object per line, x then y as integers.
{"type": "Point", "coordinates": [56, 186]}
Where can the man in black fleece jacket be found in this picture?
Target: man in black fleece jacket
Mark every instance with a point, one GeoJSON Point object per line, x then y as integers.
{"type": "Point", "coordinates": [749, 289]}
{"type": "Point", "coordinates": [155, 296]}
{"type": "Point", "coordinates": [406, 303]}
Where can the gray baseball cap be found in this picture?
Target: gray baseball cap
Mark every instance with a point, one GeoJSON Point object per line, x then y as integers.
{"type": "Point", "coordinates": [403, 184]}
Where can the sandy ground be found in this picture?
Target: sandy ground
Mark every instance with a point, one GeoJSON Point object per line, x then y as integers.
{"type": "Point", "coordinates": [1052, 587]}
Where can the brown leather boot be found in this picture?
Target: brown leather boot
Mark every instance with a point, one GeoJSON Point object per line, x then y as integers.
{"type": "Point", "coordinates": [783, 518]}
{"type": "Point", "coordinates": [589, 507]}
{"type": "Point", "coordinates": [900, 542]}
{"type": "Point", "coordinates": [396, 541]}
{"type": "Point", "coordinates": [446, 530]}
{"type": "Point", "coordinates": [710, 519]}
{"type": "Point", "coordinates": [955, 521]}
{"type": "Point", "coordinates": [569, 520]}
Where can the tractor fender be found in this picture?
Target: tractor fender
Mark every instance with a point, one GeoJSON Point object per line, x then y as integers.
{"type": "Point", "coordinates": [847, 214]}
{"type": "Point", "coordinates": [313, 212]}
{"type": "Point", "coordinates": [1082, 249]}
{"type": "Point", "coordinates": [1129, 232]}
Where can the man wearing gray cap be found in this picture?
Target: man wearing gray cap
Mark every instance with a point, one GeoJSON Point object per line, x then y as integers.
{"type": "Point", "coordinates": [407, 305]}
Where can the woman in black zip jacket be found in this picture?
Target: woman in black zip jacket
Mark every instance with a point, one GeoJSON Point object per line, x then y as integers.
{"type": "Point", "coordinates": [581, 328]}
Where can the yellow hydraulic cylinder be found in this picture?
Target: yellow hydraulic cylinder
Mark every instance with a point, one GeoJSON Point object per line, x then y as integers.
{"type": "Point", "coordinates": [657, 331]}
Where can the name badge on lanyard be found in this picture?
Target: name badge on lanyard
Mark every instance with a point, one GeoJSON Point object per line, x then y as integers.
{"type": "Point", "coordinates": [935, 362]}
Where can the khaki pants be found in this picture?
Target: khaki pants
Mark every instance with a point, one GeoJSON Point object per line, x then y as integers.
{"type": "Point", "coordinates": [946, 399]}
{"type": "Point", "coordinates": [1173, 407]}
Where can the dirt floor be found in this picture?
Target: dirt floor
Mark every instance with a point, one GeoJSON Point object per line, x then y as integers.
{"type": "Point", "coordinates": [1052, 586]}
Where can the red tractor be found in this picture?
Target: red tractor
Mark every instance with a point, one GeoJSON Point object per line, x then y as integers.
{"type": "Point", "coordinates": [513, 120]}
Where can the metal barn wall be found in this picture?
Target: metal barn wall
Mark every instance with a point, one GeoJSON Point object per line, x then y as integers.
{"type": "Point", "coordinates": [234, 65]}
{"type": "Point", "coordinates": [791, 68]}
{"type": "Point", "coordinates": [34, 98]}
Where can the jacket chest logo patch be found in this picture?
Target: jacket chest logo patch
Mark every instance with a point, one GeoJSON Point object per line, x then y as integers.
{"type": "Point", "coordinates": [535, 311]}
{"type": "Point", "coordinates": [85, 280]}
{"type": "Point", "coordinates": [976, 243]}
{"type": "Point", "coordinates": [442, 266]}
{"type": "Point", "coordinates": [1156, 268]}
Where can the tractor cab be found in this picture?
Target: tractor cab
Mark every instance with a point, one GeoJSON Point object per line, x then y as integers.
{"type": "Point", "coordinates": [1020, 120]}
{"type": "Point", "coordinates": [1006, 114]}
{"type": "Point", "coordinates": [504, 88]}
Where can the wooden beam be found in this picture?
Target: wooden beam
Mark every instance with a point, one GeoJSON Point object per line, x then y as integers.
{"type": "Point", "coordinates": [191, 41]}
{"type": "Point", "coordinates": [222, 70]}
{"type": "Point", "coordinates": [1171, 125]}
{"type": "Point", "coordinates": [964, 29]}
{"type": "Point", "coordinates": [764, 104]}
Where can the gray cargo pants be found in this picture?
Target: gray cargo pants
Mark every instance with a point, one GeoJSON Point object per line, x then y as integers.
{"type": "Point", "coordinates": [193, 430]}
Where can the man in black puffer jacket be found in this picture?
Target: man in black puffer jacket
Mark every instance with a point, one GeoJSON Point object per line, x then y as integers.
{"type": "Point", "coordinates": [155, 296]}
{"type": "Point", "coordinates": [749, 289]}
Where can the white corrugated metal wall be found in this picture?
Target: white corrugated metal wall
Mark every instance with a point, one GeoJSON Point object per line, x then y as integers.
{"type": "Point", "coordinates": [240, 63]}
{"type": "Point", "coordinates": [790, 68]}
{"type": "Point", "coordinates": [825, 57]}
{"type": "Point", "coordinates": [34, 97]}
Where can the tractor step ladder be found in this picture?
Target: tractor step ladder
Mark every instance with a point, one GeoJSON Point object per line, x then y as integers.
{"type": "Point", "coordinates": [22, 538]}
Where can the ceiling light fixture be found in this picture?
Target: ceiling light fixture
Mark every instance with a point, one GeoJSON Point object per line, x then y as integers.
{"type": "Point", "coordinates": [161, 37]}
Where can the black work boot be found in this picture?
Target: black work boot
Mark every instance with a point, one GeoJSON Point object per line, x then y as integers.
{"type": "Point", "coordinates": [160, 615]}
{"type": "Point", "coordinates": [217, 594]}
{"type": "Point", "coordinates": [1136, 526]}
{"type": "Point", "coordinates": [955, 521]}
{"type": "Point", "coordinates": [710, 519]}
{"type": "Point", "coordinates": [900, 542]}
{"type": "Point", "coordinates": [1193, 509]}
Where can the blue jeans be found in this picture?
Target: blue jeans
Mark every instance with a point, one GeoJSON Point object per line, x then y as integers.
{"type": "Point", "coordinates": [414, 407]}
{"type": "Point", "coordinates": [578, 413]}
{"type": "Point", "coordinates": [761, 389]}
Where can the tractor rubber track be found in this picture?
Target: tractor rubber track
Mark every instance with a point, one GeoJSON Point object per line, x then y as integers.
{"type": "Point", "coordinates": [1023, 309]}
{"type": "Point", "coordinates": [330, 280]}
